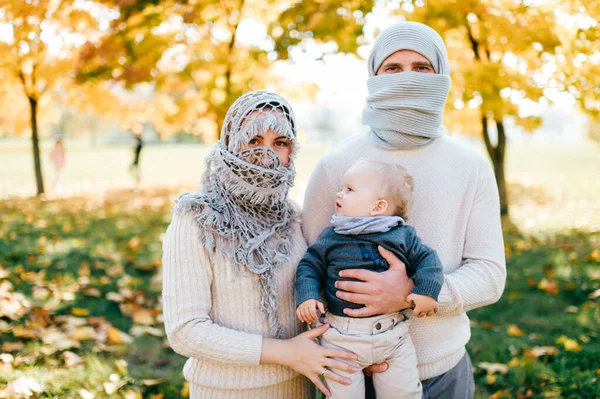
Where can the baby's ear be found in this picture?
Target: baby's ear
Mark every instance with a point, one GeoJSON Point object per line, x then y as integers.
{"type": "Point", "coordinates": [379, 208]}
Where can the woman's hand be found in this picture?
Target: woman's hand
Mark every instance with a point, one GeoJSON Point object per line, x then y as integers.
{"type": "Point", "coordinates": [305, 356]}
{"type": "Point", "coordinates": [381, 293]}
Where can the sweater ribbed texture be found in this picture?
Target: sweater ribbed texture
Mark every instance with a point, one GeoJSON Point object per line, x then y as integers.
{"type": "Point", "coordinates": [456, 212]}
{"type": "Point", "coordinates": [212, 311]}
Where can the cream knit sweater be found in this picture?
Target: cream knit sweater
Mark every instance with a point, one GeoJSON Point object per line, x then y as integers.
{"type": "Point", "coordinates": [212, 311]}
{"type": "Point", "coordinates": [456, 211]}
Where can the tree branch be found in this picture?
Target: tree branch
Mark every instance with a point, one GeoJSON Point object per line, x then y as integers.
{"type": "Point", "coordinates": [486, 137]}
{"type": "Point", "coordinates": [472, 39]}
{"type": "Point", "coordinates": [501, 138]}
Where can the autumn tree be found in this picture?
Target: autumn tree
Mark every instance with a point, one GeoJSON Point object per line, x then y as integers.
{"type": "Point", "coordinates": [37, 52]}
{"type": "Point", "coordinates": [502, 55]}
{"type": "Point", "coordinates": [201, 55]}
{"type": "Point", "coordinates": [496, 51]}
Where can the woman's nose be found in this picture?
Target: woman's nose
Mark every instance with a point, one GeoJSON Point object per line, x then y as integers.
{"type": "Point", "coordinates": [338, 195]}
{"type": "Point", "coordinates": [266, 160]}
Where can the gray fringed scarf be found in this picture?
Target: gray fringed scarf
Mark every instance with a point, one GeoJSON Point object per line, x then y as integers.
{"type": "Point", "coordinates": [404, 110]}
{"type": "Point", "coordinates": [243, 208]}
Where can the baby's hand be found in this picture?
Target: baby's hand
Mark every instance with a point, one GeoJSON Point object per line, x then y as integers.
{"type": "Point", "coordinates": [424, 305]}
{"type": "Point", "coordinates": [307, 310]}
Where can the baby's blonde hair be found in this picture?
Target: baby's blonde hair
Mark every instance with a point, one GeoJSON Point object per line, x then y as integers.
{"type": "Point", "coordinates": [396, 182]}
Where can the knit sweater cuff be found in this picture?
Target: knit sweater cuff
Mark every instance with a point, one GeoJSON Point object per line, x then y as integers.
{"type": "Point", "coordinates": [428, 288]}
{"type": "Point", "coordinates": [305, 293]}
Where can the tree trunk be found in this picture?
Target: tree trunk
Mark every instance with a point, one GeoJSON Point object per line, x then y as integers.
{"type": "Point", "coordinates": [37, 164]}
{"type": "Point", "coordinates": [497, 155]}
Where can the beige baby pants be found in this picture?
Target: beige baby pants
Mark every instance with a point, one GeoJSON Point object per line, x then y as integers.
{"type": "Point", "coordinates": [376, 339]}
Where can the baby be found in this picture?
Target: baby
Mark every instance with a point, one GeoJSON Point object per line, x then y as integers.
{"type": "Point", "coordinates": [370, 212]}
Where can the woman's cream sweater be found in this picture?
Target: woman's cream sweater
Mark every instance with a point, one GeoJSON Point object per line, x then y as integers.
{"type": "Point", "coordinates": [212, 311]}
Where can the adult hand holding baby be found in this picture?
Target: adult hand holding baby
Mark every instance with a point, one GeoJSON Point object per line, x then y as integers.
{"type": "Point", "coordinates": [380, 292]}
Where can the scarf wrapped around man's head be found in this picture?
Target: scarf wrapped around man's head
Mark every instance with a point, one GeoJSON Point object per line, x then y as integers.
{"type": "Point", "coordinates": [404, 110]}
{"type": "Point", "coordinates": [242, 208]}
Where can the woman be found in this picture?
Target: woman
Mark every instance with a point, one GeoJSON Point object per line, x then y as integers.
{"type": "Point", "coordinates": [57, 158]}
{"type": "Point", "coordinates": [230, 256]}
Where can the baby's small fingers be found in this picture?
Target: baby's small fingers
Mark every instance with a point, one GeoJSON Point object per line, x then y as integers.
{"type": "Point", "coordinates": [313, 313]}
{"type": "Point", "coordinates": [321, 307]}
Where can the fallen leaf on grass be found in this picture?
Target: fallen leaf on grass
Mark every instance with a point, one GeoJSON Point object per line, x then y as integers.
{"type": "Point", "coordinates": [146, 330]}
{"type": "Point", "coordinates": [570, 345]}
{"type": "Point", "coordinates": [491, 379]}
{"type": "Point", "coordinates": [12, 346]}
{"type": "Point", "coordinates": [6, 358]}
{"type": "Point", "coordinates": [185, 391]}
{"type": "Point", "coordinates": [115, 297]}
{"type": "Point", "coordinates": [572, 309]}
{"type": "Point", "coordinates": [24, 386]}
{"type": "Point", "coordinates": [143, 316]}
{"type": "Point", "coordinates": [149, 383]}
{"type": "Point", "coordinates": [71, 359]}
{"type": "Point", "coordinates": [595, 294]}
{"type": "Point", "coordinates": [92, 291]}
{"type": "Point", "coordinates": [81, 312]}
{"type": "Point", "coordinates": [83, 333]}
{"type": "Point", "coordinates": [538, 351]}
{"type": "Point", "coordinates": [515, 331]}
{"type": "Point", "coordinates": [550, 287]}
{"type": "Point", "coordinates": [487, 325]}
{"type": "Point", "coordinates": [85, 394]}
{"type": "Point", "coordinates": [112, 386]}
{"type": "Point", "coordinates": [492, 368]}
{"type": "Point", "coordinates": [115, 336]}
{"type": "Point", "coordinates": [499, 394]}
{"type": "Point", "coordinates": [133, 395]}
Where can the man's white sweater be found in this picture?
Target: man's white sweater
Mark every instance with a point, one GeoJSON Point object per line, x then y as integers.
{"type": "Point", "coordinates": [456, 211]}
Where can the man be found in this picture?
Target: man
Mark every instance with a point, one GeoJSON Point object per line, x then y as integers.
{"type": "Point", "coordinates": [456, 208]}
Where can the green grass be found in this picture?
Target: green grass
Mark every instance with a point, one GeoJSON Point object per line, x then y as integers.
{"type": "Point", "coordinates": [547, 301]}
{"type": "Point", "coordinates": [551, 185]}
{"type": "Point", "coordinates": [56, 252]}
{"type": "Point", "coordinates": [77, 273]}
{"type": "Point", "coordinates": [62, 256]}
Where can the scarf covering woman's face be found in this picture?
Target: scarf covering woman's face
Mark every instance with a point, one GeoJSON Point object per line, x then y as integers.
{"type": "Point", "coordinates": [279, 143]}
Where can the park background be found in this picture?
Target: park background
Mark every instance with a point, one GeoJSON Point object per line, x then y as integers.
{"type": "Point", "coordinates": [80, 312]}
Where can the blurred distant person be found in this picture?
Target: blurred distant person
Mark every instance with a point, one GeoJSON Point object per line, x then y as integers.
{"type": "Point", "coordinates": [57, 157]}
{"type": "Point", "coordinates": [135, 166]}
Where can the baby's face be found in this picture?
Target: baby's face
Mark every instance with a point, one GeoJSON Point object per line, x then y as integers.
{"type": "Point", "coordinates": [361, 190]}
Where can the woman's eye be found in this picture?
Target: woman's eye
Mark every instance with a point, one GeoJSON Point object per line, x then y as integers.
{"type": "Point", "coordinates": [281, 143]}
{"type": "Point", "coordinates": [253, 142]}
